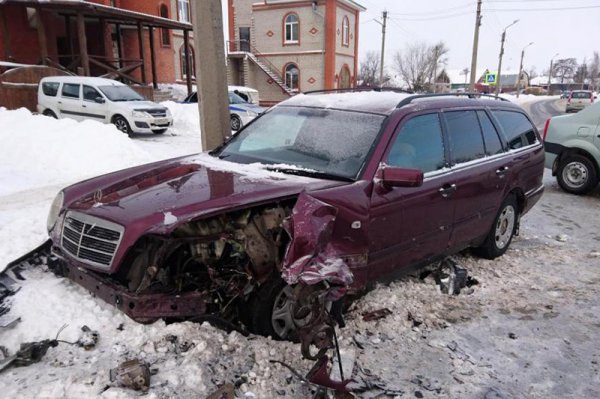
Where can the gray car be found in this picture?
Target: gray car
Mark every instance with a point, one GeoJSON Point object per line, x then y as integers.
{"type": "Point", "coordinates": [572, 144]}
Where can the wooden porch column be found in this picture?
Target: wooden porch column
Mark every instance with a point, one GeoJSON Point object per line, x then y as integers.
{"type": "Point", "coordinates": [42, 36]}
{"type": "Point", "coordinates": [152, 57]}
{"type": "Point", "coordinates": [119, 44]}
{"type": "Point", "coordinates": [5, 35]}
{"type": "Point", "coordinates": [81, 37]}
{"type": "Point", "coordinates": [186, 52]}
{"type": "Point", "coordinates": [69, 33]}
{"type": "Point", "coordinates": [140, 29]}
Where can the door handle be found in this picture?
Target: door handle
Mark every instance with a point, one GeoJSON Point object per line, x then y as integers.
{"type": "Point", "coordinates": [502, 171]}
{"type": "Point", "coordinates": [84, 106]}
{"type": "Point", "coordinates": [447, 189]}
{"type": "Point", "coordinates": [60, 102]}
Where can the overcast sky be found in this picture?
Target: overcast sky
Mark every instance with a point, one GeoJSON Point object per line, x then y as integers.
{"type": "Point", "coordinates": [568, 27]}
{"type": "Point", "coordinates": [571, 28]}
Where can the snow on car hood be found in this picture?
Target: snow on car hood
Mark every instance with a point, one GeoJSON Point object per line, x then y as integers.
{"type": "Point", "coordinates": [162, 195]}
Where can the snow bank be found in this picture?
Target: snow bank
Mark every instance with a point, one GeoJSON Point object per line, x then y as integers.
{"type": "Point", "coordinates": [526, 98]}
{"type": "Point", "coordinates": [39, 151]}
{"type": "Point", "coordinates": [186, 119]}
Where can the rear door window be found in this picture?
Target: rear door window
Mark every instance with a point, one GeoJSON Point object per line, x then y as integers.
{"type": "Point", "coordinates": [50, 88]}
{"type": "Point", "coordinates": [518, 130]}
{"type": "Point", "coordinates": [419, 145]}
{"type": "Point", "coordinates": [464, 134]}
{"type": "Point", "coordinates": [70, 90]}
{"type": "Point", "coordinates": [493, 145]}
{"type": "Point", "coordinates": [581, 94]}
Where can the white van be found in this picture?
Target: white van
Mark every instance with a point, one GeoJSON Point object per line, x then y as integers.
{"type": "Point", "coordinates": [104, 100]}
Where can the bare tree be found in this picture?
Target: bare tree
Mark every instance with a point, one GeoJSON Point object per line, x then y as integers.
{"type": "Point", "coordinates": [417, 64]}
{"type": "Point", "coordinates": [532, 72]}
{"type": "Point", "coordinates": [581, 73]}
{"type": "Point", "coordinates": [369, 69]}
{"type": "Point", "coordinates": [594, 70]}
{"type": "Point", "coordinates": [438, 58]}
{"type": "Point", "coordinates": [565, 68]}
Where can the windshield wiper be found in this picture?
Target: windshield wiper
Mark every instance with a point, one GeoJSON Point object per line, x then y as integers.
{"type": "Point", "coordinates": [310, 173]}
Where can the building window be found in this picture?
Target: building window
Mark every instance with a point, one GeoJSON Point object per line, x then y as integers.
{"type": "Point", "coordinates": [292, 76]}
{"type": "Point", "coordinates": [183, 10]}
{"type": "Point", "coordinates": [184, 62]}
{"type": "Point", "coordinates": [165, 38]}
{"type": "Point", "coordinates": [291, 28]}
{"type": "Point", "coordinates": [345, 32]}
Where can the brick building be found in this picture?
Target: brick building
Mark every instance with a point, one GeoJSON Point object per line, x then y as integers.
{"type": "Point", "coordinates": [101, 37]}
{"type": "Point", "coordinates": [281, 47]}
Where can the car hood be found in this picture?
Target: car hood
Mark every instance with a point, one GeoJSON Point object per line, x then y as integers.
{"type": "Point", "coordinates": [138, 105]}
{"type": "Point", "coordinates": [246, 107]}
{"type": "Point", "coordinates": [161, 196]}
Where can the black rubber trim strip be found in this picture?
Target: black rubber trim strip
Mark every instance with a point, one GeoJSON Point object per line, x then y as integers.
{"type": "Point", "coordinates": [83, 114]}
{"type": "Point", "coordinates": [554, 148]}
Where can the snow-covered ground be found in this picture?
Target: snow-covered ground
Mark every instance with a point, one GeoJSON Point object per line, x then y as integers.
{"type": "Point", "coordinates": [529, 329]}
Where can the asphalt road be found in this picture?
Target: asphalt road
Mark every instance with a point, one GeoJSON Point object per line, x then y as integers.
{"type": "Point", "coordinates": [540, 111]}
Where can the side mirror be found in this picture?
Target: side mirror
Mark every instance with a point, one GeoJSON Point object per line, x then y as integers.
{"type": "Point", "coordinates": [99, 100]}
{"type": "Point", "coordinates": [400, 177]}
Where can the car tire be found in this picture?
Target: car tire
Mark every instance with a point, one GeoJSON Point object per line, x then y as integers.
{"type": "Point", "coordinates": [121, 123]}
{"type": "Point", "coordinates": [266, 312]}
{"type": "Point", "coordinates": [50, 113]}
{"type": "Point", "coordinates": [576, 174]}
{"type": "Point", "coordinates": [159, 131]}
{"type": "Point", "coordinates": [236, 123]}
{"type": "Point", "coordinates": [502, 232]}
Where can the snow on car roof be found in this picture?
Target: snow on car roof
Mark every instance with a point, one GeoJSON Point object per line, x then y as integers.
{"type": "Point", "coordinates": [366, 101]}
{"type": "Point", "coordinates": [82, 80]}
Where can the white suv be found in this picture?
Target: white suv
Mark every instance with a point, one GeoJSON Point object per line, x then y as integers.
{"type": "Point", "coordinates": [103, 100]}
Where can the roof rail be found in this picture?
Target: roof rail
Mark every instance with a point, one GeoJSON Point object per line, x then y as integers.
{"type": "Point", "coordinates": [410, 99]}
{"type": "Point", "coordinates": [359, 89]}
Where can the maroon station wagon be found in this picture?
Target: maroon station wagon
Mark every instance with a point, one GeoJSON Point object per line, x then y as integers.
{"type": "Point", "coordinates": [313, 201]}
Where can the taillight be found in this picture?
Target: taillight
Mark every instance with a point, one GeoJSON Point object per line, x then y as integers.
{"type": "Point", "coordinates": [546, 129]}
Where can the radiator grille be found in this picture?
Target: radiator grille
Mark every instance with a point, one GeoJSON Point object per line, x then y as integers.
{"type": "Point", "coordinates": [91, 240]}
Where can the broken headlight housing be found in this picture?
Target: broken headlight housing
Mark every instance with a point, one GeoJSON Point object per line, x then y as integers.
{"type": "Point", "coordinates": [55, 208]}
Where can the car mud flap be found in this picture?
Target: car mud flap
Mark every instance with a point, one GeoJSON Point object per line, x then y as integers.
{"type": "Point", "coordinates": [11, 280]}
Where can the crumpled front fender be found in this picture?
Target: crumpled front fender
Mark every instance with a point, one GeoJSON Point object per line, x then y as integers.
{"type": "Point", "coordinates": [310, 257]}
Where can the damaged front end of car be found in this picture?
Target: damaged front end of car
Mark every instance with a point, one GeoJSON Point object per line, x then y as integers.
{"type": "Point", "coordinates": [234, 269]}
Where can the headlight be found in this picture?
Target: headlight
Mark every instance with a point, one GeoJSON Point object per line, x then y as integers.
{"type": "Point", "coordinates": [55, 208]}
{"type": "Point", "coordinates": [139, 114]}
{"type": "Point", "coordinates": [168, 111]}
{"type": "Point", "coordinates": [251, 113]}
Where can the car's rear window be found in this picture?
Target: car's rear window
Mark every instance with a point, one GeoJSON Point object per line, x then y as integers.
{"type": "Point", "coordinates": [581, 94]}
{"type": "Point", "coordinates": [50, 88]}
{"type": "Point", "coordinates": [518, 130]}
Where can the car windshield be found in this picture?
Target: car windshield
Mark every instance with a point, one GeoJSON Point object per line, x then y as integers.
{"type": "Point", "coordinates": [235, 99]}
{"type": "Point", "coordinates": [120, 93]}
{"type": "Point", "coordinates": [322, 143]}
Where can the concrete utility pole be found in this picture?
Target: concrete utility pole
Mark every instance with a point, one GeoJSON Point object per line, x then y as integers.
{"type": "Point", "coordinates": [550, 72]}
{"type": "Point", "coordinates": [475, 47]}
{"type": "Point", "coordinates": [383, 25]}
{"type": "Point", "coordinates": [521, 69]}
{"type": "Point", "coordinates": [211, 75]}
{"type": "Point", "coordinates": [498, 75]}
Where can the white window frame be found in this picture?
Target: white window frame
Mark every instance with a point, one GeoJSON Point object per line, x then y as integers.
{"type": "Point", "coordinates": [346, 32]}
{"type": "Point", "coordinates": [288, 76]}
{"type": "Point", "coordinates": [183, 10]}
{"type": "Point", "coordinates": [294, 27]}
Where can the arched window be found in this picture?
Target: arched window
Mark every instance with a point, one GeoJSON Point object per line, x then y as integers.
{"type": "Point", "coordinates": [346, 32]}
{"type": "Point", "coordinates": [345, 80]}
{"type": "Point", "coordinates": [292, 76]}
{"type": "Point", "coordinates": [184, 62]}
{"type": "Point", "coordinates": [291, 29]}
{"type": "Point", "coordinates": [165, 37]}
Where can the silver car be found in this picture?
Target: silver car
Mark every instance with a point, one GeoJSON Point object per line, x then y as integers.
{"type": "Point", "coordinates": [579, 99]}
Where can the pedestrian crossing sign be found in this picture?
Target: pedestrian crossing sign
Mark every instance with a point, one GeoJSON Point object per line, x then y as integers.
{"type": "Point", "coordinates": [490, 78]}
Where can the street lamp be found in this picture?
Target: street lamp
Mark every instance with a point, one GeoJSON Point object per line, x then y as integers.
{"type": "Point", "coordinates": [550, 72]}
{"type": "Point", "coordinates": [498, 75]}
{"type": "Point", "coordinates": [521, 69]}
